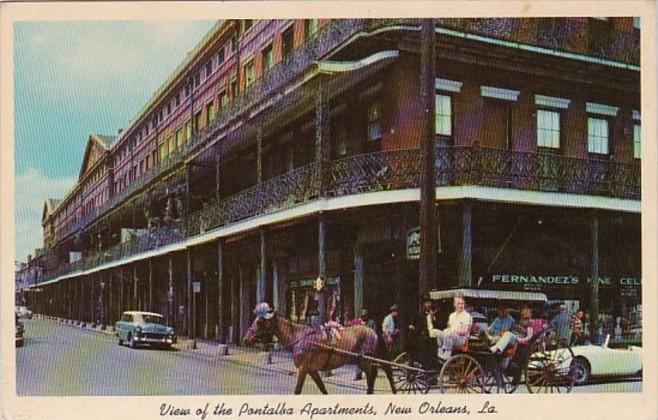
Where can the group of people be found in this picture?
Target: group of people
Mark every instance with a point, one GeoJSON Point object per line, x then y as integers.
{"type": "Point", "coordinates": [432, 343]}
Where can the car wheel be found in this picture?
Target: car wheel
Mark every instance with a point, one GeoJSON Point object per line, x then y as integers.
{"type": "Point", "coordinates": [120, 341]}
{"type": "Point", "coordinates": [131, 341]}
{"type": "Point", "coordinates": [582, 371]}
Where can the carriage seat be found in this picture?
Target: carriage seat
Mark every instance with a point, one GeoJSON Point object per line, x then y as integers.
{"type": "Point", "coordinates": [463, 348]}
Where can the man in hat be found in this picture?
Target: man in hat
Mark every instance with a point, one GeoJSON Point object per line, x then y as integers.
{"type": "Point", "coordinates": [391, 329]}
{"type": "Point", "coordinates": [427, 329]}
{"type": "Point", "coordinates": [263, 310]}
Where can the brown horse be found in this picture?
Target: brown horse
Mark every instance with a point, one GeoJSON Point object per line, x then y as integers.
{"type": "Point", "coordinates": [310, 359]}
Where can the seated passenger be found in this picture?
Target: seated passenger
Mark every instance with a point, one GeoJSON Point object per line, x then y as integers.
{"type": "Point", "coordinates": [456, 334]}
{"type": "Point", "coordinates": [500, 325]}
{"type": "Point", "coordinates": [520, 333]}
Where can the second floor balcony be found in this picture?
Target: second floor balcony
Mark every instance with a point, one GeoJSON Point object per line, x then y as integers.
{"type": "Point", "coordinates": [385, 171]}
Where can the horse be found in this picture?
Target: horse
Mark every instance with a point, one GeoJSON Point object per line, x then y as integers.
{"type": "Point", "coordinates": [310, 359]}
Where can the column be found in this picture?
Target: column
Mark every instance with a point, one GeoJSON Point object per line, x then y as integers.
{"type": "Point", "coordinates": [221, 318]}
{"type": "Point", "coordinates": [594, 300]}
{"type": "Point", "coordinates": [121, 292]}
{"type": "Point", "coordinates": [428, 233]}
{"type": "Point", "coordinates": [244, 311]}
{"type": "Point", "coordinates": [465, 264]}
{"type": "Point", "coordinates": [262, 270]}
{"type": "Point", "coordinates": [190, 314]}
{"type": "Point", "coordinates": [150, 301]}
{"type": "Point", "coordinates": [358, 280]}
{"type": "Point", "coordinates": [135, 295]}
{"type": "Point", "coordinates": [322, 267]}
{"type": "Point", "coordinates": [170, 293]}
{"type": "Point", "coordinates": [235, 305]}
{"type": "Point", "coordinates": [259, 155]}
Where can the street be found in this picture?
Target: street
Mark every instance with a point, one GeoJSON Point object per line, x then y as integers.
{"type": "Point", "coordinates": [62, 360]}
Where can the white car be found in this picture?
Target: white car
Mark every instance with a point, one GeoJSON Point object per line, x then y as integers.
{"type": "Point", "coordinates": [595, 360]}
{"type": "Point", "coordinates": [591, 360]}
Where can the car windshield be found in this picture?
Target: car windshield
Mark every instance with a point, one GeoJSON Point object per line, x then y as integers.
{"type": "Point", "coordinates": [153, 319]}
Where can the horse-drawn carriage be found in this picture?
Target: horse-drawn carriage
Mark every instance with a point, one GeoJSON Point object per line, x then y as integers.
{"type": "Point", "coordinates": [544, 364]}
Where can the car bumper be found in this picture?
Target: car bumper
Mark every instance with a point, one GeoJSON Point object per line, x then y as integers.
{"type": "Point", "coordinates": [153, 340]}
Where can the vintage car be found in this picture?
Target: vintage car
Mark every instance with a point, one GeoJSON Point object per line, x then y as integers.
{"type": "Point", "coordinates": [20, 330]}
{"type": "Point", "coordinates": [598, 360]}
{"type": "Point", "coordinates": [136, 327]}
{"type": "Point", "coordinates": [23, 312]}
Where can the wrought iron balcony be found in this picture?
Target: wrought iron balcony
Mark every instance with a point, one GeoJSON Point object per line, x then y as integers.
{"type": "Point", "coordinates": [388, 171]}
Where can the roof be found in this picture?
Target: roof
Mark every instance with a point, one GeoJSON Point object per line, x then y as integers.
{"type": "Point", "coordinates": [49, 207]}
{"type": "Point", "coordinates": [142, 313]}
{"type": "Point", "coordinates": [104, 139]}
{"type": "Point", "coordinates": [489, 294]}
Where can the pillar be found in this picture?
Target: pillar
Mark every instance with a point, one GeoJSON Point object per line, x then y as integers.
{"type": "Point", "coordinates": [594, 301]}
{"type": "Point", "coordinates": [322, 267]}
{"type": "Point", "coordinates": [358, 281]}
{"type": "Point", "coordinates": [135, 294]}
{"type": "Point", "coordinates": [221, 318]}
{"type": "Point", "coordinates": [190, 315]}
{"type": "Point", "coordinates": [262, 270]}
{"type": "Point", "coordinates": [170, 292]}
{"type": "Point", "coordinates": [465, 264]}
{"type": "Point", "coordinates": [428, 233]}
{"type": "Point", "coordinates": [150, 292]}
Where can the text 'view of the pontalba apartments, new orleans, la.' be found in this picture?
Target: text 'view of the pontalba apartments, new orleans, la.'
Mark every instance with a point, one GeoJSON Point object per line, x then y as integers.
{"type": "Point", "coordinates": [284, 161]}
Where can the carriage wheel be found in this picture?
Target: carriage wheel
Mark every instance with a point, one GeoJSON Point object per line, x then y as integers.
{"type": "Point", "coordinates": [409, 381]}
{"type": "Point", "coordinates": [462, 374]}
{"type": "Point", "coordinates": [551, 366]}
{"type": "Point", "coordinates": [500, 381]}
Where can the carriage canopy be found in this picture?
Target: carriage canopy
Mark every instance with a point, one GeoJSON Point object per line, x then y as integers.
{"type": "Point", "coordinates": [506, 295]}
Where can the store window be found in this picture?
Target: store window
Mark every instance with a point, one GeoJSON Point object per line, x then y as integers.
{"type": "Point", "coordinates": [443, 115]}
{"type": "Point", "coordinates": [374, 121]}
{"type": "Point", "coordinates": [548, 129]}
{"type": "Point", "coordinates": [597, 136]}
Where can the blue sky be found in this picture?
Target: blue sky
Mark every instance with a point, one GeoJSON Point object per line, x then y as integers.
{"type": "Point", "coordinates": [75, 78]}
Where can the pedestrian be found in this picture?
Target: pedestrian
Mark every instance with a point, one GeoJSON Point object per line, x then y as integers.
{"type": "Point", "coordinates": [577, 331]}
{"type": "Point", "coordinates": [457, 332]}
{"type": "Point", "coordinates": [391, 330]}
{"type": "Point", "coordinates": [364, 319]}
{"type": "Point", "coordinates": [561, 323]}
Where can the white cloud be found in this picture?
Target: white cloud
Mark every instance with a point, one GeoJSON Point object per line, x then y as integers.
{"type": "Point", "coordinates": [32, 190]}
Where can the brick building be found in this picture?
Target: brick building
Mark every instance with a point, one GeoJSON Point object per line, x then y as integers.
{"type": "Point", "coordinates": [281, 151]}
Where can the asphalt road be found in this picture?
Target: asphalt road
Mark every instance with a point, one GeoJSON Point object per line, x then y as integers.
{"type": "Point", "coordinates": [60, 360]}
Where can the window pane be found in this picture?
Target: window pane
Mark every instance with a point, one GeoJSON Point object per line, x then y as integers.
{"type": "Point", "coordinates": [443, 116]}
{"type": "Point", "coordinates": [597, 139]}
{"type": "Point", "coordinates": [548, 128]}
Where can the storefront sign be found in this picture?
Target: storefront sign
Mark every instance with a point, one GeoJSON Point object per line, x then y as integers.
{"type": "Point", "coordinates": [413, 244]}
{"type": "Point", "coordinates": [537, 282]}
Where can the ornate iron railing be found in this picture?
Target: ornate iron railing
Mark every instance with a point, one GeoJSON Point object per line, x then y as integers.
{"type": "Point", "coordinates": [281, 192]}
{"type": "Point", "coordinates": [387, 171]}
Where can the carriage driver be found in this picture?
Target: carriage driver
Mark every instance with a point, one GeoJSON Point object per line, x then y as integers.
{"type": "Point", "coordinates": [456, 334]}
